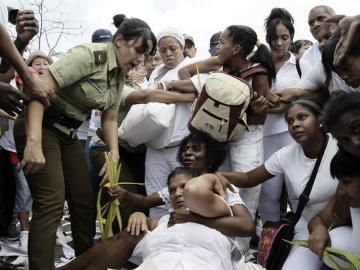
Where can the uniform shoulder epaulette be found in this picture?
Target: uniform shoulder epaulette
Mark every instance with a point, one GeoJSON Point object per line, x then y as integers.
{"type": "Point", "coordinates": [100, 57]}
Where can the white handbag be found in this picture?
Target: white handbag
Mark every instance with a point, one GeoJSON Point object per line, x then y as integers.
{"type": "Point", "coordinates": [145, 121]}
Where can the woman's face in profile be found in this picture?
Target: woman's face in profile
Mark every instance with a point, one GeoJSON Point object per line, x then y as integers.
{"type": "Point", "coordinates": [225, 46]}
{"type": "Point", "coordinates": [346, 131]}
{"type": "Point", "coordinates": [349, 70]}
{"type": "Point", "coordinates": [171, 52]}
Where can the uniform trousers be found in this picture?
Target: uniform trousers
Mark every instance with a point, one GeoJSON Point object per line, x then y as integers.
{"type": "Point", "coordinates": [65, 176]}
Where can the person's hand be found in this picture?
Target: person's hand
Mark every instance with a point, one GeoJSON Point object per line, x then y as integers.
{"type": "Point", "coordinates": [10, 99]}
{"type": "Point", "coordinates": [37, 89]}
{"type": "Point", "coordinates": [117, 192]}
{"type": "Point", "coordinates": [182, 215]}
{"type": "Point", "coordinates": [114, 156]}
{"type": "Point", "coordinates": [288, 95]}
{"type": "Point", "coordinates": [34, 159]}
{"type": "Point", "coordinates": [135, 76]}
{"type": "Point", "coordinates": [318, 240]}
{"type": "Point", "coordinates": [259, 105]}
{"type": "Point", "coordinates": [27, 25]}
{"type": "Point", "coordinates": [137, 223]}
{"type": "Point", "coordinates": [273, 99]}
{"type": "Point", "coordinates": [349, 28]}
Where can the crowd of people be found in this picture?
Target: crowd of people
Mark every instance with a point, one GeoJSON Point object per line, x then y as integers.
{"type": "Point", "coordinates": [187, 199]}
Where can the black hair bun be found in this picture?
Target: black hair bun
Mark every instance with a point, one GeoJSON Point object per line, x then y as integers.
{"type": "Point", "coordinates": [119, 19]}
{"type": "Point", "coordinates": [279, 13]}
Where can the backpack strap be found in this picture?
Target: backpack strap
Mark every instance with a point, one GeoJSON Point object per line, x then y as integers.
{"type": "Point", "coordinates": [305, 195]}
{"type": "Point", "coordinates": [298, 68]}
{"type": "Point", "coordinates": [254, 70]}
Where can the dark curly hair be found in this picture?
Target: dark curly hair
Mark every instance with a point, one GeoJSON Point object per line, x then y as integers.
{"type": "Point", "coordinates": [344, 164]}
{"type": "Point", "coordinates": [215, 151]}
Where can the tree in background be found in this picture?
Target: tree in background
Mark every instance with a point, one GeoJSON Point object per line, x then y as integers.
{"type": "Point", "coordinates": [54, 26]}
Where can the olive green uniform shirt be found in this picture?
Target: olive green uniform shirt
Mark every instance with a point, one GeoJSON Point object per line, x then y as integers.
{"type": "Point", "coordinates": [89, 78]}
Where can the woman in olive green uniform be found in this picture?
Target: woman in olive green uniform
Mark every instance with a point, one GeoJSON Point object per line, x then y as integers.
{"type": "Point", "coordinates": [89, 76]}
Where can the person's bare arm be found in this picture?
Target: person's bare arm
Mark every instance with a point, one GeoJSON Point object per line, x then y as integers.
{"type": "Point", "coordinates": [239, 225]}
{"type": "Point", "coordinates": [295, 93]}
{"type": "Point", "coordinates": [109, 127]}
{"type": "Point", "coordinates": [34, 159]}
{"type": "Point", "coordinates": [135, 199]}
{"type": "Point", "coordinates": [206, 66]}
{"type": "Point", "coordinates": [249, 179]}
{"type": "Point", "coordinates": [200, 197]}
{"type": "Point", "coordinates": [335, 214]}
{"type": "Point", "coordinates": [258, 107]}
{"type": "Point", "coordinates": [146, 96]}
{"type": "Point", "coordinates": [32, 87]}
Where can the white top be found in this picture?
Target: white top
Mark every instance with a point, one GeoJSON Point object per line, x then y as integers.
{"type": "Point", "coordinates": [355, 219]}
{"type": "Point", "coordinates": [312, 54]}
{"type": "Point", "coordinates": [232, 197]}
{"type": "Point", "coordinates": [287, 77]}
{"type": "Point", "coordinates": [7, 141]}
{"type": "Point", "coordinates": [316, 77]}
{"type": "Point", "coordinates": [178, 128]}
{"type": "Point", "coordinates": [291, 162]}
{"type": "Point", "coordinates": [3, 16]}
{"type": "Point", "coordinates": [185, 246]}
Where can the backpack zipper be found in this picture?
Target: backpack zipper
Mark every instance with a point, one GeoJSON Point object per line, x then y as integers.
{"type": "Point", "coordinates": [223, 121]}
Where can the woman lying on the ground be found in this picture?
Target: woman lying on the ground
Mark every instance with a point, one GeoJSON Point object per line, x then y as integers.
{"type": "Point", "coordinates": [181, 246]}
{"type": "Point", "coordinates": [296, 162]}
{"type": "Point", "coordinates": [198, 151]}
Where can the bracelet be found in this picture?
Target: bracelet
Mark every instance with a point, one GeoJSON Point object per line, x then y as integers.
{"type": "Point", "coordinates": [163, 85]}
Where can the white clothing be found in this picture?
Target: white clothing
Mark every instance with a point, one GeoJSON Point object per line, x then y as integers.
{"type": "Point", "coordinates": [7, 141]}
{"type": "Point", "coordinates": [244, 155]}
{"type": "Point", "coordinates": [178, 127]}
{"type": "Point", "coordinates": [95, 120]}
{"type": "Point", "coordinates": [158, 165]}
{"type": "Point", "coordinates": [296, 168]}
{"type": "Point", "coordinates": [316, 77]}
{"type": "Point", "coordinates": [287, 77]}
{"type": "Point", "coordinates": [312, 54]}
{"type": "Point", "coordinates": [3, 16]}
{"type": "Point", "coordinates": [269, 205]}
{"type": "Point", "coordinates": [355, 218]}
{"type": "Point", "coordinates": [276, 136]}
{"type": "Point", "coordinates": [185, 246]}
{"type": "Point", "coordinates": [160, 162]}
{"type": "Point", "coordinates": [83, 131]}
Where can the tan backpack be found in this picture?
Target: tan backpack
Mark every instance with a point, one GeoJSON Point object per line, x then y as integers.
{"type": "Point", "coordinates": [220, 109]}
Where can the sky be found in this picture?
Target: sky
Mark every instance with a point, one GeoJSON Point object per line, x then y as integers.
{"type": "Point", "coordinates": [198, 18]}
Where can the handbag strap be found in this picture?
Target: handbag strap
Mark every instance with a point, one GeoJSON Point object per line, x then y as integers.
{"type": "Point", "coordinates": [304, 197]}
